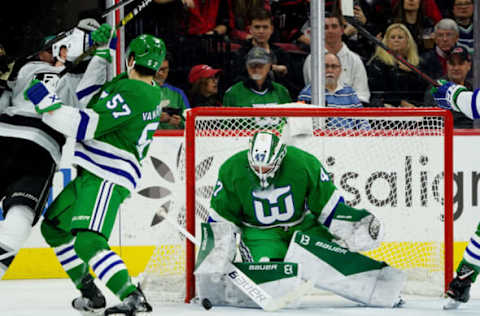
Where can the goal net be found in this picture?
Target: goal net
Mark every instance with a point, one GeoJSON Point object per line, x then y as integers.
{"type": "Point", "coordinates": [396, 163]}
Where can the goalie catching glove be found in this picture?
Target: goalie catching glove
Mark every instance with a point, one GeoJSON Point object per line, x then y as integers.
{"type": "Point", "coordinates": [446, 95]}
{"type": "Point", "coordinates": [43, 99]}
{"type": "Point", "coordinates": [106, 40]}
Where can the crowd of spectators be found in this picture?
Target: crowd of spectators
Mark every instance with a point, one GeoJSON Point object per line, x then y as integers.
{"type": "Point", "coordinates": [211, 44]}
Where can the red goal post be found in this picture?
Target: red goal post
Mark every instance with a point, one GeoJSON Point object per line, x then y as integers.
{"type": "Point", "coordinates": [438, 123]}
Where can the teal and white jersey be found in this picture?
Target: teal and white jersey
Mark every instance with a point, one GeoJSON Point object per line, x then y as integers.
{"type": "Point", "coordinates": [115, 130]}
{"type": "Point", "coordinates": [300, 186]}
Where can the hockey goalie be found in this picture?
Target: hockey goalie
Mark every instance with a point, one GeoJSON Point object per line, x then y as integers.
{"type": "Point", "coordinates": [294, 227]}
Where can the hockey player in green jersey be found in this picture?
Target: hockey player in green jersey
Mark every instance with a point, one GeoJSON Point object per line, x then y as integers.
{"type": "Point", "coordinates": [287, 209]}
{"type": "Point", "coordinates": [113, 135]}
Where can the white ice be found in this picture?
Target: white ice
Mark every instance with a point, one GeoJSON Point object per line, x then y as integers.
{"type": "Point", "coordinates": [52, 297]}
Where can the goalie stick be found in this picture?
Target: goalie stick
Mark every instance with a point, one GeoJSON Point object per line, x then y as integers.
{"type": "Point", "coordinates": [399, 58]}
{"type": "Point", "coordinates": [243, 282]}
{"type": "Point", "coordinates": [139, 8]}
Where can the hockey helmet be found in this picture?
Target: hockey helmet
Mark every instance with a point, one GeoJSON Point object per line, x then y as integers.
{"type": "Point", "coordinates": [148, 50]}
{"type": "Point", "coordinates": [265, 155]}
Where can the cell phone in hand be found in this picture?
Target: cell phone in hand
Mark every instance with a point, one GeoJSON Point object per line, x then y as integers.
{"type": "Point", "coordinates": [171, 111]}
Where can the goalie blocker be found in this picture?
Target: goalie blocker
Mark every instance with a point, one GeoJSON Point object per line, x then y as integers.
{"type": "Point", "coordinates": [329, 266]}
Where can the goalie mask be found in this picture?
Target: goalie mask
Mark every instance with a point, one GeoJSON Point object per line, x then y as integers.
{"type": "Point", "coordinates": [76, 42]}
{"type": "Point", "coordinates": [265, 156]}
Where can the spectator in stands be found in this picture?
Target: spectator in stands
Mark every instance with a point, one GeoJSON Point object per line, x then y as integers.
{"type": "Point", "coordinates": [204, 91]}
{"type": "Point", "coordinates": [395, 84]}
{"type": "Point", "coordinates": [431, 8]}
{"type": "Point", "coordinates": [353, 70]}
{"type": "Point", "coordinates": [261, 28]}
{"type": "Point", "coordinates": [463, 14]}
{"type": "Point", "coordinates": [165, 18]}
{"type": "Point", "coordinates": [208, 17]}
{"type": "Point", "coordinates": [375, 16]}
{"type": "Point", "coordinates": [175, 101]}
{"type": "Point", "coordinates": [459, 63]}
{"type": "Point", "coordinates": [337, 95]}
{"type": "Point", "coordinates": [289, 18]}
{"type": "Point", "coordinates": [434, 62]}
{"type": "Point", "coordinates": [412, 14]}
{"type": "Point", "coordinates": [259, 89]}
{"type": "Point", "coordinates": [240, 17]}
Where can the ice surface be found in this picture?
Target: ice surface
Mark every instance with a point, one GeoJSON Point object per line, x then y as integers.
{"type": "Point", "coordinates": [53, 298]}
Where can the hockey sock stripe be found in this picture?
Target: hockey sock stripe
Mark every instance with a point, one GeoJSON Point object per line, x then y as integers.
{"type": "Point", "coordinates": [475, 240]}
{"type": "Point", "coordinates": [472, 252]}
{"type": "Point", "coordinates": [471, 257]}
{"type": "Point", "coordinates": [68, 257]}
{"type": "Point", "coordinates": [106, 264]}
{"type": "Point", "coordinates": [112, 269]}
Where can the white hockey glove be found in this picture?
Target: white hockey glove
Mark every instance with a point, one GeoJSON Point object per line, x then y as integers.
{"type": "Point", "coordinates": [366, 234]}
{"type": "Point", "coordinates": [446, 95]}
{"type": "Point", "coordinates": [44, 99]}
{"type": "Point", "coordinates": [88, 24]}
{"type": "Point", "coordinates": [106, 41]}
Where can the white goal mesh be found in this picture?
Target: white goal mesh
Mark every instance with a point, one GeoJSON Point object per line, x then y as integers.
{"type": "Point", "coordinates": [390, 162]}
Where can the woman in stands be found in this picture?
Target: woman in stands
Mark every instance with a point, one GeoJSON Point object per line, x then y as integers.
{"type": "Point", "coordinates": [391, 81]}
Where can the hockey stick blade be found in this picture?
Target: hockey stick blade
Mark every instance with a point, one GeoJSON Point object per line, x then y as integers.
{"type": "Point", "coordinates": [450, 303]}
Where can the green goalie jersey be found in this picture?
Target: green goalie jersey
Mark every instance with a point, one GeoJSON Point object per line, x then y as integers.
{"type": "Point", "coordinates": [301, 188]}
{"type": "Point", "coordinates": [116, 129]}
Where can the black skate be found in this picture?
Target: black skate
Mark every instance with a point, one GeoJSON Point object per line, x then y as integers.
{"type": "Point", "coordinates": [92, 302]}
{"type": "Point", "coordinates": [459, 288]}
{"type": "Point", "coordinates": [131, 305]}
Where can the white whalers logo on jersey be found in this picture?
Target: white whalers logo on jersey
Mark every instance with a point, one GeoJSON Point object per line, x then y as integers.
{"type": "Point", "coordinates": [273, 205]}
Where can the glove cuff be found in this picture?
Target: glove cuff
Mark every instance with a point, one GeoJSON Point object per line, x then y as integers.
{"type": "Point", "coordinates": [453, 93]}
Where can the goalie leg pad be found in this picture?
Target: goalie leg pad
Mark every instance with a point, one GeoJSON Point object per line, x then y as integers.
{"type": "Point", "coordinates": [348, 274]}
{"type": "Point", "coordinates": [218, 247]}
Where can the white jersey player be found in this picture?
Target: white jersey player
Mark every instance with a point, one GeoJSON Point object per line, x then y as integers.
{"type": "Point", "coordinates": [31, 149]}
{"type": "Point", "coordinates": [455, 97]}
